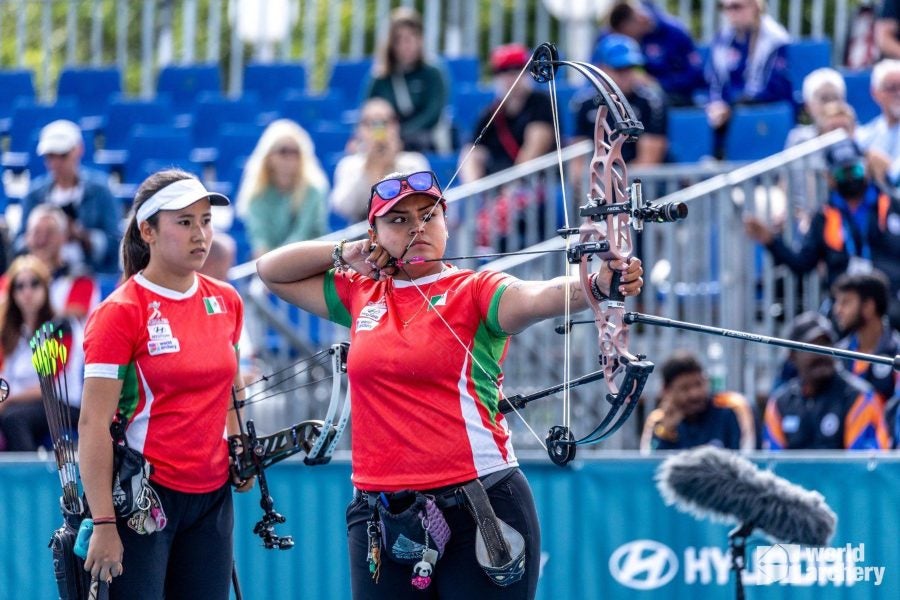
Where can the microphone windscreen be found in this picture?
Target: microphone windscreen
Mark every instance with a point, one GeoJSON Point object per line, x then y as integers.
{"type": "Point", "coordinates": [709, 482]}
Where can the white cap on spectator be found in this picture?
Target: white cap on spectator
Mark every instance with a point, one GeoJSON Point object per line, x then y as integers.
{"type": "Point", "coordinates": [59, 137]}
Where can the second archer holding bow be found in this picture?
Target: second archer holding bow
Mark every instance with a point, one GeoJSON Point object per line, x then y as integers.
{"type": "Point", "coordinates": [430, 446]}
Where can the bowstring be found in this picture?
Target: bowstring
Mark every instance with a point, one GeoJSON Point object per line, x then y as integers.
{"type": "Point", "coordinates": [468, 154]}
{"type": "Point", "coordinates": [270, 390]}
{"type": "Point", "coordinates": [567, 310]}
{"type": "Point", "coordinates": [567, 286]}
{"type": "Point", "coordinates": [474, 360]}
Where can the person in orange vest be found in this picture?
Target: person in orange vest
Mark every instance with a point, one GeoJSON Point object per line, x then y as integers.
{"type": "Point", "coordinates": [689, 415]}
{"type": "Point", "coordinates": [855, 231]}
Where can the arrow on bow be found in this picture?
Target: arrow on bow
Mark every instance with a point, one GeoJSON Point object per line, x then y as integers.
{"type": "Point", "coordinates": [251, 453]}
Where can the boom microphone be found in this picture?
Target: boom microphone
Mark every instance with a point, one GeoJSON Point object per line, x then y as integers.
{"type": "Point", "coordinates": [709, 482]}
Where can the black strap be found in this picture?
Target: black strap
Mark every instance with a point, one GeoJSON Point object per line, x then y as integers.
{"type": "Point", "coordinates": [480, 506]}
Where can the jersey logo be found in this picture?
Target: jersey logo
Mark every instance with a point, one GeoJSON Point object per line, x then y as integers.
{"type": "Point", "coordinates": [215, 305]}
{"type": "Point", "coordinates": [155, 315]}
{"type": "Point", "coordinates": [371, 315]}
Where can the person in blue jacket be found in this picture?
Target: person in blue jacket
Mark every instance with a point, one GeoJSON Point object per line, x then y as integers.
{"type": "Point", "coordinates": [670, 54]}
{"type": "Point", "coordinates": [747, 62]}
{"type": "Point", "coordinates": [83, 194]}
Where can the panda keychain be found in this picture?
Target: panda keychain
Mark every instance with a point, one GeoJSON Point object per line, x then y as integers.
{"type": "Point", "coordinates": [423, 569]}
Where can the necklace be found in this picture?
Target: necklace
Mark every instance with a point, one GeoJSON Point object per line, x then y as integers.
{"type": "Point", "coordinates": [426, 301]}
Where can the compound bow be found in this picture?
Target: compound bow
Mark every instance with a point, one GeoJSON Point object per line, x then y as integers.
{"type": "Point", "coordinates": [252, 454]}
{"type": "Point", "coordinates": [612, 210]}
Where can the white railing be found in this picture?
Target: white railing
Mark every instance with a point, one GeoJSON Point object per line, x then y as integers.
{"type": "Point", "coordinates": [702, 270]}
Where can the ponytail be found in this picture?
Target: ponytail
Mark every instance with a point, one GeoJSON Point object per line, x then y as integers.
{"type": "Point", "coordinates": [135, 251]}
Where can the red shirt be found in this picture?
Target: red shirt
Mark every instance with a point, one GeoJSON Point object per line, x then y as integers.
{"type": "Point", "coordinates": [424, 413]}
{"type": "Point", "coordinates": [176, 354]}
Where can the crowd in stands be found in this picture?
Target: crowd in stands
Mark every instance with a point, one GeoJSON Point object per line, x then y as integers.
{"type": "Point", "coordinates": [301, 164]}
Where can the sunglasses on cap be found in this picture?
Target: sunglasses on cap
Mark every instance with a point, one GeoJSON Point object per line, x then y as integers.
{"type": "Point", "coordinates": [388, 192]}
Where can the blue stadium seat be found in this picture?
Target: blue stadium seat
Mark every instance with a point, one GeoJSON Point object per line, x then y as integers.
{"type": "Point", "coordinates": [689, 134]}
{"type": "Point", "coordinates": [27, 120]}
{"type": "Point", "coordinates": [330, 138]}
{"type": "Point", "coordinates": [310, 109]}
{"type": "Point", "coordinates": [463, 69]}
{"type": "Point", "coordinates": [443, 167]}
{"type": "Point", "coordinates": [758, 131]}
{"type": "Point", "coordinates": [17, 85]}
{"type": "Point", "coordinates": [351, 77]}
{"type": "Point", "coordinates": [804, 57]}
{"type": "Point", "coordinates": [235, 144]}
{"type": "Point", "coordinates": [859, 95]}
{"type": "Point", "coordinates": [122, 117]}
{"type": "Point", "coordinates": [270, 81]}
{"type": "Point", "coordinates": [239, 232]}
{"type": "Point", "coordinates": [92, 88]}
{"type": "Point", "coordinates": [467, 103]}
{"type": "Point", "coordinates": [184, 83]}
{"type": "Point", "coordinates": [214, 111]}
{"type": "Point", "coordinates": [154, 147]}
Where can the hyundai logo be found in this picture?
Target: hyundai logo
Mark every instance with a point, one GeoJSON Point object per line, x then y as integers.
{"type": "Point", "coordinates": [643, 564]}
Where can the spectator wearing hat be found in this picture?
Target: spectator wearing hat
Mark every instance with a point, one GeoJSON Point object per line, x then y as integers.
{"type": "Point", "coordinates": [856, 230]}
{"type": "Point", "coordinates": [83, 194]}
{"type": "Point", "coordinates": [521, 130]}
{"type": "Point", "coordinates": [669, 52]}
{"type": "Point", "coordinates": [747, 62]}
{"type": "Point", "coordinates": [824, 406]}
{"type": "Point", "coordinates": [620, 57]}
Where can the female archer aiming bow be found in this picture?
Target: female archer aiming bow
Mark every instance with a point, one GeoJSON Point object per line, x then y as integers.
{"type": "Point", "coordinates": [161, 359]}
{"type": "Point", "coordinates": [428, 340]}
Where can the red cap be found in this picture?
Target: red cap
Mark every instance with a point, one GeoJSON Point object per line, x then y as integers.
{"type": "Point", "coordinates": [509, 57]}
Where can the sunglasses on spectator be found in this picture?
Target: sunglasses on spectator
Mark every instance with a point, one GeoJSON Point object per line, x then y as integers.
{"type": "Point", "coordinates": [732, 6]}
{"type": "Point", "coordinates": [57, 155]}
{"type": "Point", "coordinates": [848, 172]}
{"type": "Point", "coordinates": [25, 284]}
{"type": "Point", "coordinates": [286, 151]}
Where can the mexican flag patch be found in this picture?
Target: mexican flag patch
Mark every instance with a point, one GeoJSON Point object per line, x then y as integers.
{"type": "Point", "coordinates": [215, 305]}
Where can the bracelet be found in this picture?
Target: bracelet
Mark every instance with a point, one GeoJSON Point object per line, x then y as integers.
{"type": "Point", "coordinates": [596, 292]}
{"type": "Point", "coordinates": [337, 256]}
{"type": "Point", "coordinates": [104, 521]}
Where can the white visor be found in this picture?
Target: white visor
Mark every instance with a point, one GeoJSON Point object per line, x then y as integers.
{"type": "Point", "coordinates": [178, 195]}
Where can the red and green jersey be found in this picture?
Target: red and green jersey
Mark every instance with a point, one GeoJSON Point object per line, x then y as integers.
{"type": "Point", "coordinates": [424, 371]}
{"type": "Point", "coordinates": [175, 353]}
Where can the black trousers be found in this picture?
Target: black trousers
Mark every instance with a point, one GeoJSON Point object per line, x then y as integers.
{"type": "Point", "coordinates": [191, 558]}
{"type": "Point", "coordinates": [457, 574]}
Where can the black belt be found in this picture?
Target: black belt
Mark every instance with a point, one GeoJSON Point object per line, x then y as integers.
{"type": "Point", "coordinates": [444, 497]}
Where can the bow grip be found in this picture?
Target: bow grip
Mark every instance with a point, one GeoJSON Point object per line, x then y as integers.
{"type": "Point", "coordinates": [614, 294]}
